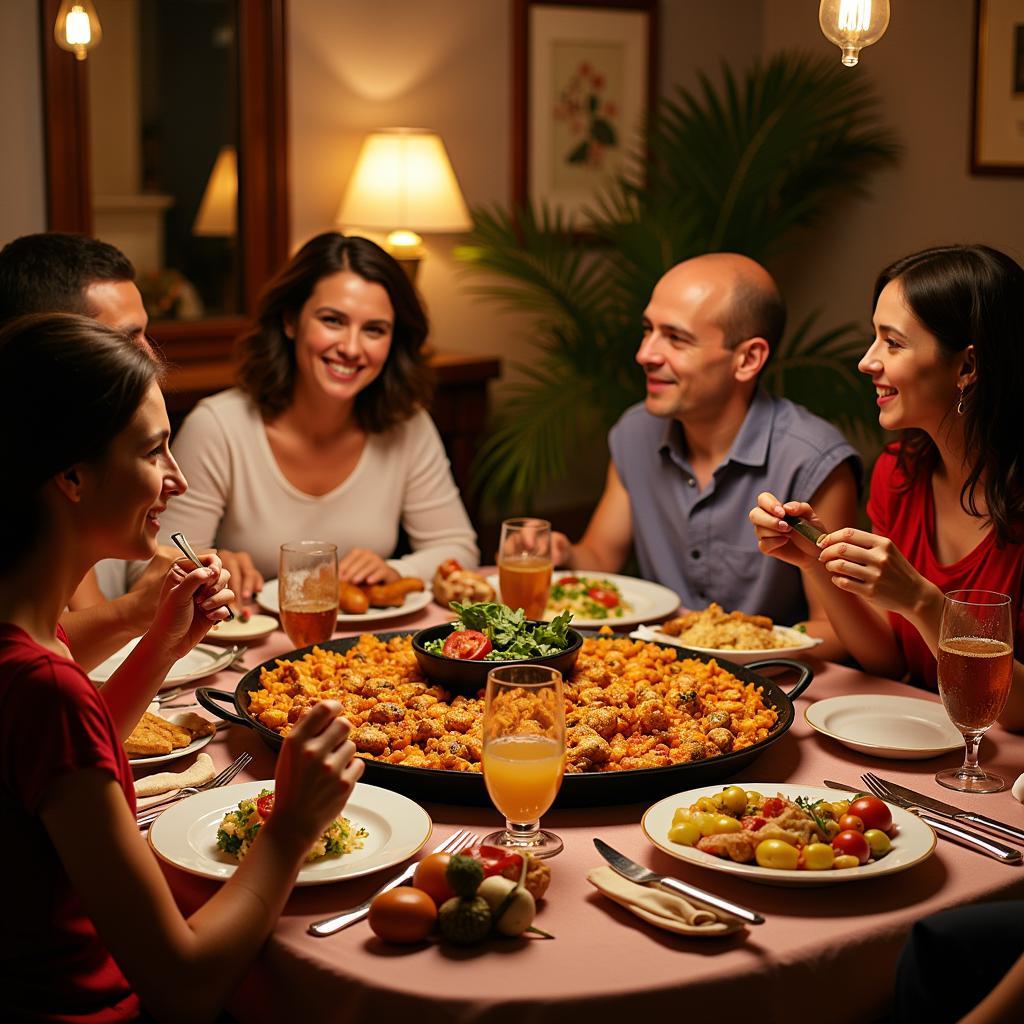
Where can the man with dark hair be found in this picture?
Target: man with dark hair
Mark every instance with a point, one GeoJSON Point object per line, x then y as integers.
{"type": "Point", "coordinates": [687, 461]}
{"type": "Point", "coordinates": [65, 273]}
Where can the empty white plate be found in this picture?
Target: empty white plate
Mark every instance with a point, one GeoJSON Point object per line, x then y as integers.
{"type": "Point", "coordinates": [904, 728]}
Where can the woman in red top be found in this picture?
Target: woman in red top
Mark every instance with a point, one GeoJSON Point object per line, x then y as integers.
{"type": "Point", "coordinates": [92, 932]}
{"type": "Point", "coordinates": [947, 501]}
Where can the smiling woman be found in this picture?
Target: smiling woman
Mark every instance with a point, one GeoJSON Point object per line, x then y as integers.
{"type": "Point", "coordinates": [327, 436]}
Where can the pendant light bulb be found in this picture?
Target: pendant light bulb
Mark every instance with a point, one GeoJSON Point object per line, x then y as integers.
{"type": "Point", "coordinates": [853, 24]}
{"type": "Point", "coordinates": [77, 27]}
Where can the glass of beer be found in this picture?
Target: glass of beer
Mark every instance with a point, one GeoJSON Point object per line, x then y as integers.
{"type": "Point", "coordinates": [308, 591]}
{"type": "Point", "coordinates": [975, 670]}
{"type": "Point", "coordinates": [524, 753]}
{"type": "Point", "coordinates": [524, 565]}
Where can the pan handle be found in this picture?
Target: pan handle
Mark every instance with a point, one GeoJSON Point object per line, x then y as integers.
{"type": "Point", "coordinates": [805, 673]}
{"type": "Point", "coordinates": [207, 696]}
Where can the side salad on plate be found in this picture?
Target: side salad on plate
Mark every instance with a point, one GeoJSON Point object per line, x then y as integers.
{"type": "Point", "coordinates": [494, 632]}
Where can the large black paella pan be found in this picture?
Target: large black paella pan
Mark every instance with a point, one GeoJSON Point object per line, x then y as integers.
{"type": "Point", "coordinates": [578, 790]}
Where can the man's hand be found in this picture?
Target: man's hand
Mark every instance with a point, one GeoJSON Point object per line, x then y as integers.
{"type": "Point", "coordinates": [561, 550]}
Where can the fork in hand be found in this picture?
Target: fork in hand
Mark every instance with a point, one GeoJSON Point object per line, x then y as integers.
{"type": "Point", "coordinates": [329, 925]}
{"type": "Point", "coordinates": [147, 815]}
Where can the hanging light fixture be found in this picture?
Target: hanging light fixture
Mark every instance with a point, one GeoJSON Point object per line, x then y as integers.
{"type": "Point", "coordinates": [853, 24]}
{"type": "Point", "coordinates": [77, 27]}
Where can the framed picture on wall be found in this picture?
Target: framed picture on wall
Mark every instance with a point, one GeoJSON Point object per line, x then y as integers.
{"type": "Point", "coordinates": [998, 122]}
{"type": "Point", "coordinates": [583, 82]}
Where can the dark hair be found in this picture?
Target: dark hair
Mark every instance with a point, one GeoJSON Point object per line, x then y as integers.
{"type": "Point", "coordinates": [267, 354]}
{"type": "Point", "coordinates": [754, 310]}
{"type": "Point", "coordinates": [973, 295]}
{"type": "Point", "coordinates": [49, 273]}
{"type": "Point", "coordinates": [73, 386]}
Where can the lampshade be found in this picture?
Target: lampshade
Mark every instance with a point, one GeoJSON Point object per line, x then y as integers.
{"type": "Point", "coordinates": [218, 210]}
{"type": "Point", "coordinates": [403, 179]}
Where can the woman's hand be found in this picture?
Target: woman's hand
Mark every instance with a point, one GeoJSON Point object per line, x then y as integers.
{"type": "Point", "coordinates": [316, 771]}
{"type": "Point", "coordinates": [191, 601]}
{"type": "Point", "coordinates": [874, 568]}
{"type": "Point", "coordinates": [363, 566]}
{"type": "Point", "coordinates": [777, 538]}
{"type": "Point", "coordinates": [246, 579]}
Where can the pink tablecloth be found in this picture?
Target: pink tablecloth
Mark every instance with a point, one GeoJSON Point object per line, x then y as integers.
{"type": "Point", "coordinates": [818, 945]}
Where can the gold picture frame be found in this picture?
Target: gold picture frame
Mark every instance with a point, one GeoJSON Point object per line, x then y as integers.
{"type": "Point", "coordinates": [998, 113]}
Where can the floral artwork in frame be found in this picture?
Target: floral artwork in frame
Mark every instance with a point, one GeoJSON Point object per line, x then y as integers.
{"type": "Point", "coordinates": [998, 122]}
{"type": "Point", "coordinates": [584, 83]}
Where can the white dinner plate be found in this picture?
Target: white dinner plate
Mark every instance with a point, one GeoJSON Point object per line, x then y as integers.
{"type": "Point", "coordinates": [185, 835]}
{"type": "Point", "coordinates": [234, 631]}
{"type": "Point", "coordinates": [904, 728]}
{"type": "Point", "coordinates": [647, 600]}
{"type": "Point", "coordinates": [202, 661]}
{"type": "Point", "coordinates": [192, 747]}
{"type": "Point", "coordinates": [267, 600]}
{"type": "Point", "coordinates": [795, 643]}
{"type": "Point", "coordinates": [914, 840]}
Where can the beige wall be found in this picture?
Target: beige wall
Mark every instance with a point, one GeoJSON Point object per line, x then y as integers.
{"type": "Point", "coordinates": [922, 69]}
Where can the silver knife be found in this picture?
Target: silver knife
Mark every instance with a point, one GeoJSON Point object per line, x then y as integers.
{"type": "Point", "coordinates": [947, 828]}
{"type": "Point", "coordinates": [644, 876]}
{"type": "Point", "coordinates": [957, 813]}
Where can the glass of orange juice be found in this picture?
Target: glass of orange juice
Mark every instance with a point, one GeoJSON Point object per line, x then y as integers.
{"type": "Point", "coordinates": [524, 565]}
{"type": "Point", "coordinates": [308, 591]}
{"type": "Point", "coordinates": [524, 753]}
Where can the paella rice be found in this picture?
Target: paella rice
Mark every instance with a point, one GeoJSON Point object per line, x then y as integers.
{"type": "Point", "coordinates": [629, 704]}
{"type": "Point", "coordinates": [718, 630]}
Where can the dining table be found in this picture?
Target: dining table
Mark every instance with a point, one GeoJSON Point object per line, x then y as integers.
{"type": "Point", "coordinates": [828, 951]}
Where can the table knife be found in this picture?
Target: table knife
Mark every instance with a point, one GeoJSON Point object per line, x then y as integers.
{"type": "Point", "coordinates": [644, 876]}
{"type": "Point", "coordinates": [947, 828]}
{"type": "Point", "coordinates": [957, 813]}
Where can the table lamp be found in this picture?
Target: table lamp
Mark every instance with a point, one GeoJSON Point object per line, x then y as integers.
{"type": "Point", "coordinates": [218, 209]}
{"type": "Point", "coordinates": [403, 183]}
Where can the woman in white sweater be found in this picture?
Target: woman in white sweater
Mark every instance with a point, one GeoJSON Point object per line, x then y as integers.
{"type": "Point", "coordinates": [326, 436]}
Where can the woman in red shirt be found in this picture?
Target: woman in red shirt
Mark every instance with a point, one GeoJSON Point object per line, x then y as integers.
{"type": "Point", "coordinates": [947, 500]}
{"type": "Point", "coordinates": [93, 933]}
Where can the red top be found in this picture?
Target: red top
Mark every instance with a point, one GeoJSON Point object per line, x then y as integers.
{"type": "Point", "coordinates": [907, 517]}
{"type": "Point", "coordinates": [53, 966]}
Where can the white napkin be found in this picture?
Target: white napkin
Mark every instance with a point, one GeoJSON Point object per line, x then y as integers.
{"type": "Point", "coordinates": [164, 783]}
{"type": "Point", "coordinates": [662, 909]}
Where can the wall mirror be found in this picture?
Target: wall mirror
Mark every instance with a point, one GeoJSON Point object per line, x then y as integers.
{"type": "Point", "coordinates": [169, 141]}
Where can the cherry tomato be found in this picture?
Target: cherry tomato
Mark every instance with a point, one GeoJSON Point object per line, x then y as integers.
{"type": "Point", "coordinates": [817, 857]}
{"type": "Point", "coordinates": [264, 805]}
{"type": "Point", "coordinates": [567, 581]}
{"type": "Point", "coordinates": [852, 844]}
{"type": "Point", "coordinates": [734, 800]}
{"type": "Point", "coordinates": [606, 597]}
{"type": "Point", "coordinates": [851, 821]}
{"type": "Point", "coordinates": [774, 853]}
{"type": "Point", "coordinates": [467, 645]}
{"type": "Point", "coordinates": [773, 807]}
{"type": "Point", "coordinates": [431, 877]}
{"type": "Point", "coordinates": [873, 812]}
{"type": "Point", "coordinates": [878, 841]}
{"type": "Point", "coordinates": [402, 915]}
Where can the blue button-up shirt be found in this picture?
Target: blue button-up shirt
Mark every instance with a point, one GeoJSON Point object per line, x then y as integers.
{"type": "Point", "coordinates": [700, 542]}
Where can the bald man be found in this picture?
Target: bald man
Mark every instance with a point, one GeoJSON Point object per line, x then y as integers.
{"type": "Point", "coordinates": [707, 438]}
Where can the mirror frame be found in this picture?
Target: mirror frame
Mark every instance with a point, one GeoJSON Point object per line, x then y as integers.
{"type": "Point", "coordinates": [263, 241]}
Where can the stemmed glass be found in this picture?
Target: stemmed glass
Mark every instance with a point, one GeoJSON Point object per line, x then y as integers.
{"type": "Point", "coordinates": [524, 753]}
{"type": "Point", "coordinates": [308, 591]}
{"type": "Point", "coordinates": [975, 671]}
{"type": "Point", "coordinates": [524, 565]}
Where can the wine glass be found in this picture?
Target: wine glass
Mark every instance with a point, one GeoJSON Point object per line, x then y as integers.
{"type": "Point", "coordinates": [524, 753]}
{"type": "Point", "coordinates": [524, 565]}
{"type": "Point", "coordinates": [975, 670]}
{"type": "Point", "coordinates": [308, 591]}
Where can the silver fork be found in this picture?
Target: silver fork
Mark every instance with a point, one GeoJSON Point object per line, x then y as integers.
{"type": "Point", "coordinates": [147, 815]}
{"type": "Point", "coordinates": [947, 829]}
{"type": "Point", "coordinates": [330, 925]}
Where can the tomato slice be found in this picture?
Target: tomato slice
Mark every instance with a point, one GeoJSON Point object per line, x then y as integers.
{"type": "Point", "coordinates": [467, 645]}
{"type": "Point", "coordinates": [567, 581]}
{"type": "Point", "coordinates": [773, 807]}
{"type": "Point", "coordinates": [602, 596]}
{"type": "Point", "coordinates": [496, 861]}
{"type": "Point", "coordinates": [264, 805]}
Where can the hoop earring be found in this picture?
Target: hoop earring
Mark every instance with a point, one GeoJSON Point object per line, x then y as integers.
{"type": "Point", "coordinates": [960, 404]}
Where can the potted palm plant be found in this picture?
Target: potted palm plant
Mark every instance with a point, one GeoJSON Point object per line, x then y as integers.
{"type": "Point", "coordinates": [736, 166]}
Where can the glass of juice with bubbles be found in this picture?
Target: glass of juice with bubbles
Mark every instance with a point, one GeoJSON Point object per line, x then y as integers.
{"type": "Point", "coordinates": [975, 672]}
{"type": "Point", "coordinates": [308, 591]}
{"type": "Point", "coordinates": [524, 565]}
{"type": "Point", "coordinates": [524, 753]}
